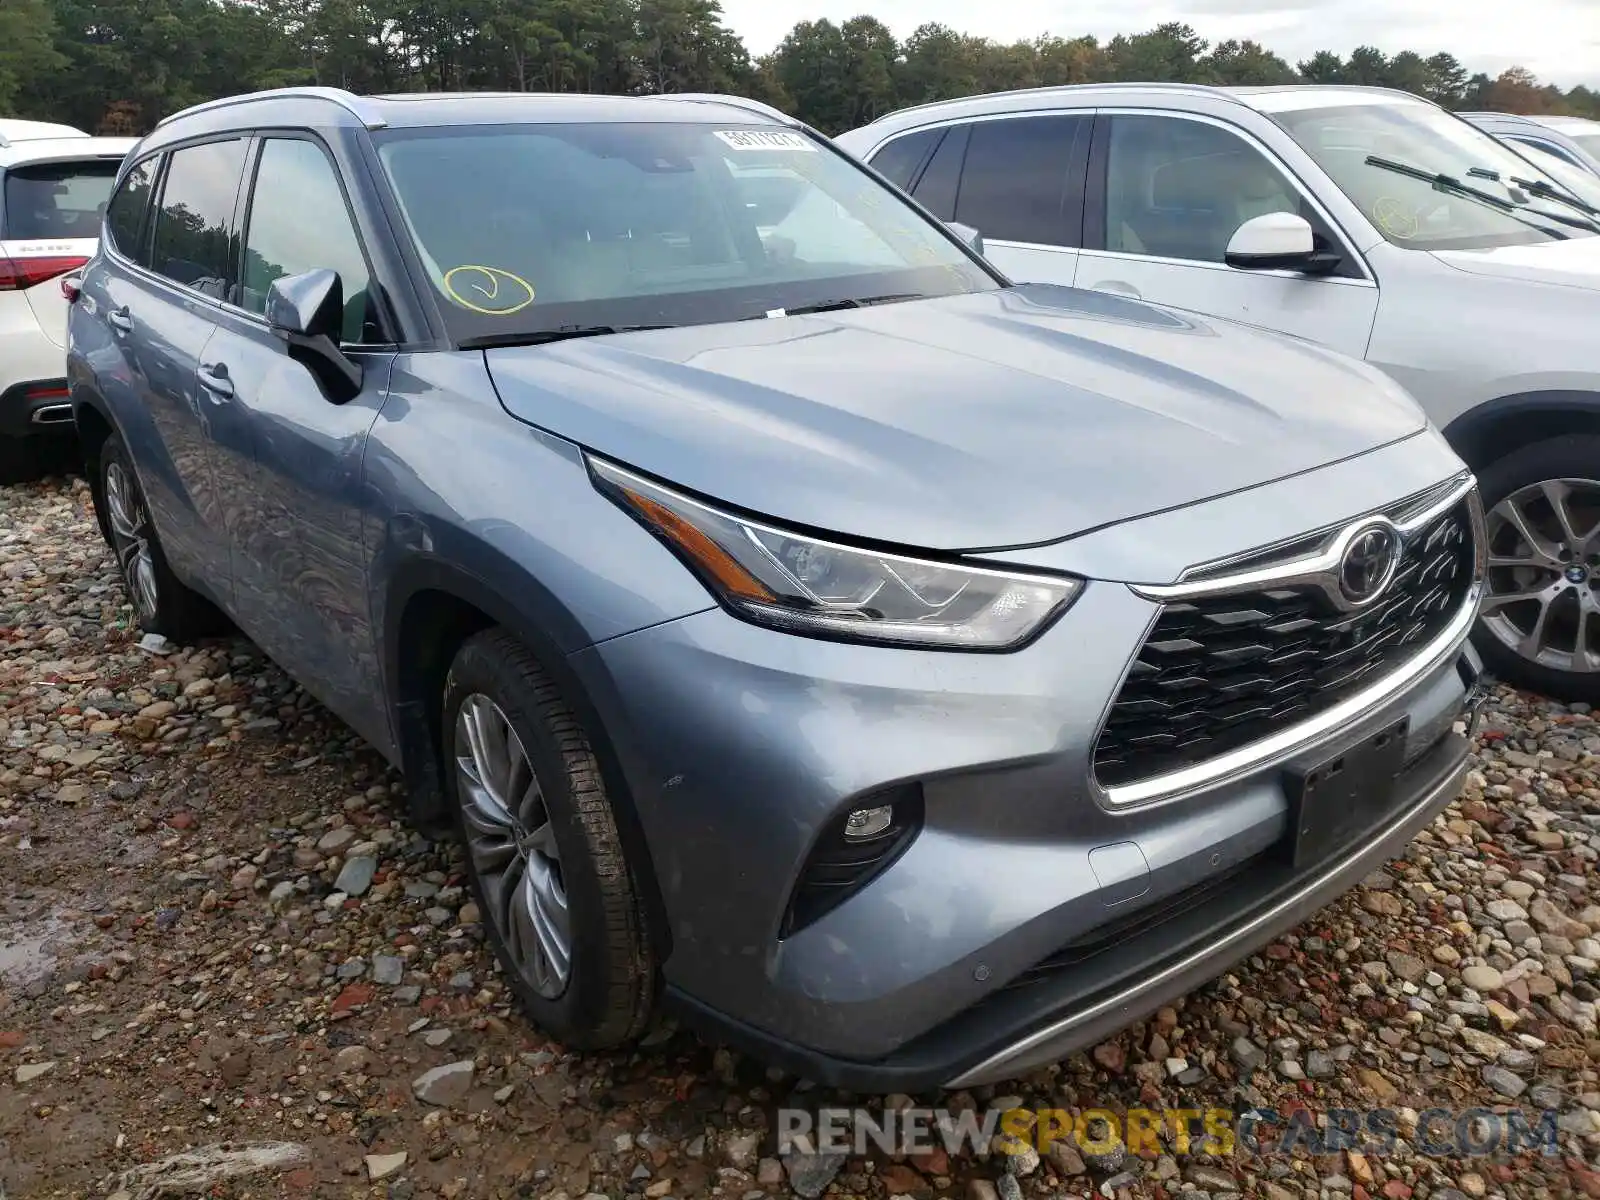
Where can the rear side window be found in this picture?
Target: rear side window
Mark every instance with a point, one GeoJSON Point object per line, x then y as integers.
{"type": "Point", "coordinates": [125, 218]}
{"type": "Point", "coordinates": [937, 187]}
{"type": "Point", "coordinates": [899, 160]}
{"type": "Point", "coordinates": [1016, 185]}
{"type": "Point", "coordinates": [295, 178]}
{"type": "Point", "coordinates": [56, 201]}
{"type": "Point", "coordinates": [194, 236]}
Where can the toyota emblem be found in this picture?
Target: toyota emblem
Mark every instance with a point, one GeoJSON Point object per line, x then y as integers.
{"type": "Point", "coordinates": [1370, 561]}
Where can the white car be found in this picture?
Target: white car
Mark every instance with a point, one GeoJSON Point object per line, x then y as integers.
{"type": "Point", "coordinates": [1367, 220]}
{"type": "Point", "coordinates": [54, 184]}
{"type": "Point", "coordinates": [1579, 129]}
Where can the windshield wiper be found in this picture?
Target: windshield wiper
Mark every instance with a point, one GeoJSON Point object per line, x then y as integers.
{"type": "Point", "coordinates": [1539, 187]}
{"type": "Point", "coordinates": [1451, 183]}
{"type": "Point", "coordinates": [543, 337]}
{"type": "Point", "coordinates": [1545, 191]}
{"type": "Point", "coordinates": [848, 302]}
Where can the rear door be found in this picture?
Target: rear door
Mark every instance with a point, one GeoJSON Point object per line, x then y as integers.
{"type": "Point", "coordinates": [289, 459]}
{"type": "Point", "coordinates": [1018, 180]}
{"type": "Point", "coordinates": [160, 295]}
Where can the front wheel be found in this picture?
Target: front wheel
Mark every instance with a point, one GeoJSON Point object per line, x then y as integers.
{"type": "Point", "coordinates": [1540, 624]}
{"type": "Point", "coordinates": [543, 853]}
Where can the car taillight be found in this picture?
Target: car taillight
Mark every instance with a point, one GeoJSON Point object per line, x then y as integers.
{"type": "Point", "coordinates": [19, 273]}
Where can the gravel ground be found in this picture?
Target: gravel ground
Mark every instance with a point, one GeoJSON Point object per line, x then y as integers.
{"type": "Point", "coordinates": [219, 937]}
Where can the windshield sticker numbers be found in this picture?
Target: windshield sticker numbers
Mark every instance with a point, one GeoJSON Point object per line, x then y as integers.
{"type": "Point", "coordinates": [1395, 217]}
{"type": "Point", "coordinates": [764, 139]}
{"type": "Point", "coordinates": [488, 290]}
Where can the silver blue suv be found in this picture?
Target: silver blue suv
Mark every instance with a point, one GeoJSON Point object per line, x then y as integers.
{"type": "Point", "coordinates": [907, 675]}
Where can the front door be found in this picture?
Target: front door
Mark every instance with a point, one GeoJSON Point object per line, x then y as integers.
{"type": "Point", "coordinates": [288, 458]}
{"type": "Point", "coordinates": [1174, 189]}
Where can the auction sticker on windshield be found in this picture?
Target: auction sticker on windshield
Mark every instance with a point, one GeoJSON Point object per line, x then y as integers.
{"type": "Point", "coordinates": [763, 139]}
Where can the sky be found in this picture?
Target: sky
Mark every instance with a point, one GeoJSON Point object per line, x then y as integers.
{"type": "Point", "coordinates": [1558, 40]}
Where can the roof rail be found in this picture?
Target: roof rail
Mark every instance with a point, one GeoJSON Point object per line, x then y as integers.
{"type": "Point", "coordinates": [1051, 88]}
{"type": "Point", "coordinates": [348, 101]}
{"type": "Point", "coordinates": [743, 102]}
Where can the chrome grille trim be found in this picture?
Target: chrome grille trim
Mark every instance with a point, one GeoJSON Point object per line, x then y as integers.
{"type": "Point", "coordinates": [1291, 740]}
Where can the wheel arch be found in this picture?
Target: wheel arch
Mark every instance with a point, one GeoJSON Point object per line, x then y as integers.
{"type": "Point", "coordinates": [431, 607]}
{"type": "Point", "coordinates": [1504, 425]}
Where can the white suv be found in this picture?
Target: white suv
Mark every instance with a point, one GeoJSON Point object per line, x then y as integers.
{"type": "Point", "coordinates": [1367, 220]}
{"type": "Point", "coordinates": [54, 184]}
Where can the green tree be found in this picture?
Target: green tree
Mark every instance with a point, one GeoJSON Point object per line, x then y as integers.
{"type": "Point", "coordinates": [27, 53]}
{"type": "Point", "coordinates": [1447, 80]}
{"type": "Point", "coordinates": [1323, 67]}
{"type": "Point", "coordinates": [1170, 53]}
{"type": "Point", "coordinates": [1246, 64]}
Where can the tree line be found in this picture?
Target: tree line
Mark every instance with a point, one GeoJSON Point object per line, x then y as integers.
{"type": "Point", "coordinates": [118, 66]}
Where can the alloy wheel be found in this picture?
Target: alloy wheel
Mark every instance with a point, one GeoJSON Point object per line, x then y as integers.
{"type": "Point", "coordinates": [1543, 595]}
{"type": "Point", "coordinates": [512, 845]}
{"type": "Point", "coordinates": [131, 534]}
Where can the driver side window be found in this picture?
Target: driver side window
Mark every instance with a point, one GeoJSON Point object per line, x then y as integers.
{"type": "Point", "coordinates": [294, 179]}
{"type": "Point", "coordinates": [1179, 189]}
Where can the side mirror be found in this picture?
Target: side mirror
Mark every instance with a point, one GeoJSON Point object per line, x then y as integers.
{"type": "Point", "coordinates": [967, 234]}
{"type": "Point", "coordinates": [307, 311]}
{"type": "Point", "coordinates": [1278, 242]}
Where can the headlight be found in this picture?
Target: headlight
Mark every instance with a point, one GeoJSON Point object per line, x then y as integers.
{"type": "Point", "coordinates": [802, 585]}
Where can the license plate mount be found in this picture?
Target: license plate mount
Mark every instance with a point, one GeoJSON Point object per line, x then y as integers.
{"type": "Point", "coordinates": [1342, 791]}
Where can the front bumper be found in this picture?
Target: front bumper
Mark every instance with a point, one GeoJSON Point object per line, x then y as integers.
{"type": "Point", "coordinates": [740, 745]}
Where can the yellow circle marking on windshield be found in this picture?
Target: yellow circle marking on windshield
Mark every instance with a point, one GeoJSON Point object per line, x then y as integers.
{"type": "Point", "coordinates": [491, 291]}
{"type": "Point", "coordinates": [1395, 216]}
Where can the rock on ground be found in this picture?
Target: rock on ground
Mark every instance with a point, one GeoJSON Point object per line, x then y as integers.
{"type": "Point", "coordinates": [229, 975]}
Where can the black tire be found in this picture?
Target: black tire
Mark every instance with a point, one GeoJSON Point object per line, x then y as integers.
{"type": "Point", "coordinates": [1575, 456]}
{"type": "Point", "coordinates": [610, 993]}
{"type": "Point", "coordinates": [177, 613]}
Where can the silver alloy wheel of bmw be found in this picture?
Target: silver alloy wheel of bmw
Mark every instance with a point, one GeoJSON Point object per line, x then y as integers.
{"type": "Point", "coordinates": [512, 845]}
{"type": "Point", "coordinates": [130, 531]}
{"type": "Point", "coordinates": [1543, 595]}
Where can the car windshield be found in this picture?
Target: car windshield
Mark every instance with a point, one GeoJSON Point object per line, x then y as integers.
{"type": "Point", "coordinates": [536, 229]}
{"type": "Point", "coordinates": [1580, 183]}
{"type": "Point", "coordinates": [1429, 180]}
{"type": "Point", "coordinates": [59, 200]}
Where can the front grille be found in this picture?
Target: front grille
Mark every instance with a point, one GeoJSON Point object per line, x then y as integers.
{"type": "Point", "coordinates": [1217, 673]}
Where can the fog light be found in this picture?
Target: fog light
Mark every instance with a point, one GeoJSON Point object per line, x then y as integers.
{"type": "Point", "coordinates": [866, 823]}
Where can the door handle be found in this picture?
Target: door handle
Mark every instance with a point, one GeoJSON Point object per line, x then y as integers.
{"type": "Point", "coordinates": [120, 320]}
{"type": "Point", "coordinates": [215, 380]}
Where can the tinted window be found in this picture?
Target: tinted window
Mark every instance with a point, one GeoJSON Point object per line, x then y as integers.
{"type": "Point", "coordinates": [295, 178]}
{"type": "Point", "coordinates": [57, 200]}
{"type": "Point", "coordinates": [1179, 189]}
{"type": "Point", "coordinates": [1014, 186]}
{"type": "Point", "coordinates": [899, 160]}
{"type": "Point", "coordinates": [527, 228]}
{"type": "Point", "coordinates": [194, 237]}
{"type": "Point", "coordinates": [126, 214]}
{"type": "Point", "coordinates": [937, 187]}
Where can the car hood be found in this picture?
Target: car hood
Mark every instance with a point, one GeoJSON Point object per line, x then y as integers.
{"type": "Point", "coordinates": [1004, 418]}
{"type": "Point", "coordinates": [1573, 263]}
